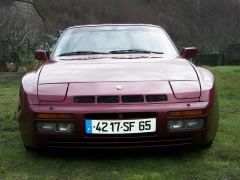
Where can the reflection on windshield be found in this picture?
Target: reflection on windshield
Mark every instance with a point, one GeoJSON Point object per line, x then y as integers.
{"type": "Point", "coordinates": [114, 41]}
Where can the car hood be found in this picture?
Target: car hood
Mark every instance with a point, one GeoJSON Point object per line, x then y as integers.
{"type": "Point", "coordinates": [117, 70]}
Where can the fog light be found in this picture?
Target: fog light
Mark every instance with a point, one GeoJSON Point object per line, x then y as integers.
{"type": "Point", "coordinates": [65, 127]}
{"type": "Point", "coordinates": [176, 125]}
{"type": "Point", "coordinates": [195, 123]}
{"type": "Point", "coordinates": [46, 127]}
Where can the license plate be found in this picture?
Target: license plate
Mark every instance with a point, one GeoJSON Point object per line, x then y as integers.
{"type": "Point", "coordinates": [120, 126]}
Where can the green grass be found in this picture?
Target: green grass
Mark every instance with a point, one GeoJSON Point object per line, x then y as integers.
{"type": "Point", "coordinates": [221, 161]}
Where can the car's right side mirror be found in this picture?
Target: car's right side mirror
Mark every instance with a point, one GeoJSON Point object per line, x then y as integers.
{"type": "Point", "coordinates": [41, 55]}
{"type": "Point", "coordinates": [189, 53]}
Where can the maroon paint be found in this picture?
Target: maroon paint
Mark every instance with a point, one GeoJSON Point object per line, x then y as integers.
{"type": "Point", "coordinates": [52, 87]}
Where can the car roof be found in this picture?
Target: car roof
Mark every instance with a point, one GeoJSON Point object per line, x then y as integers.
{"type": "Point", "coordinates": [114, 25]}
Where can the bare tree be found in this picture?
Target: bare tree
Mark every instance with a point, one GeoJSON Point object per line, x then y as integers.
{"type": "Point", "coordinates": [19, 34]}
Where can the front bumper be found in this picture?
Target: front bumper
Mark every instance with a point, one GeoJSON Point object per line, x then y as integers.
{"type": "Point", "coordinates": [79, 139]}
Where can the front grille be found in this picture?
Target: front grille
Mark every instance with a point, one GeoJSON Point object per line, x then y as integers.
{"type": "Point", "coordinates": [156, 98]}
{"type": "Point", "coordinates": [120, 99]}
{"type": "Point", "coordinates": [84, 99]}
{"type": "Point", "coordinates": [132, 99]}
{"type": "Point", "coordinates": [137, 115]}
{"type": "Point", "coordinates": [108, 99]}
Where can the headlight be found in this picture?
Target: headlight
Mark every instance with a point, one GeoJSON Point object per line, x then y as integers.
{"type": "Point", "coordinates": [176, 125]}
{"type": "Point", "coordinates": [65, 127]}
{"type": "Point", "coordinates": [185, 124]}
{"type": "Point", "coordinates": [195, 123]}
{"type": "Point", "coordinates": [53, 127]}
{"type": "Point", "coordinates": [46, 127]}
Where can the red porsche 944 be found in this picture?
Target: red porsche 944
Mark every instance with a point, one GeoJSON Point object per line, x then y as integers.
{"type": "Point", "coordinates": [117, 86]}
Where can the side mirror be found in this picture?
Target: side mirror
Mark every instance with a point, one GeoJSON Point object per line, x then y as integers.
{"type": "Point", "coordinates": [59, 32]}
{"type": "Point", "coordinates": [189, 53]}
{"type": "Point", "coordinates": [41, 55]}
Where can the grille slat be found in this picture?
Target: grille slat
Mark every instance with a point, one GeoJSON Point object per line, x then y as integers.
{"type": "Point", "coordinates": [156, 98]}
{"type": "Point", "coordinates": [108, 99]}
{"type": "Point", "coordinates": [120, 99]}
{"type": "Point", "coordinates": [84, 99]}
{"type": "Point", "coordinates": [133, 115]}
{"type": "Point", "coordinates": [119, 143]}
{"type": "Point", "coordinates": [132, 99]}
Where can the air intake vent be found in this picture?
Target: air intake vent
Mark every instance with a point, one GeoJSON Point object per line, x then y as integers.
{"type": "Point", "coordinates": [132, 99]}
{"type": "Point", "coordinates": [156, 98]}
{"type": "Point", "coordinates": [108, 99]}
{"type": "Point", "coordinates": [133, 115]}
{"type": "Point", "coordinates": [120, 99]}
{"type": "Point", "coordinates": [84, 99]}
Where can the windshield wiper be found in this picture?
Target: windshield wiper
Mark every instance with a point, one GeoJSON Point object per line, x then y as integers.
{"type": "Point", "coordinates": [81, 53]}
{"type": "Point", "coordinates": [130, 51]}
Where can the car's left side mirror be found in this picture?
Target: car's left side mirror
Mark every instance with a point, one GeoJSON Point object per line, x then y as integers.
{"type": "Point", "coordinates": [41, 55]}
{"type": "Point", "coordinates": [189, 53]}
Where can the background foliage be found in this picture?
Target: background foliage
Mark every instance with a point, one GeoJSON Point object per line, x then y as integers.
{"type": "Point", "coordinates": [209, 25]}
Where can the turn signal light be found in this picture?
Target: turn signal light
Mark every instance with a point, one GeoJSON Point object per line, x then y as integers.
{"type": "Point", "coordinates": [53, 116]}
{"type": "Point", "coordinates": [187, 113]}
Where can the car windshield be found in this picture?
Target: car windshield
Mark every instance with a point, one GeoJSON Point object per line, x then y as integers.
{"type": "Point", "coordinates": [114, 40]}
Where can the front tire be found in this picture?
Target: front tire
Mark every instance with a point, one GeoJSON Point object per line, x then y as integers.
{"type": "Point", "coordinates": [29, 148]}
{"type": "Point", "coordinates": [207, 145]}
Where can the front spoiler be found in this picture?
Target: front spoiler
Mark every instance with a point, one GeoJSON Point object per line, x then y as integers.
{"type": "Point", "coordinates": [162, 138]}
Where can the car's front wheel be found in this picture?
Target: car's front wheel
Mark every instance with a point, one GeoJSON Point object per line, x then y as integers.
{"type": "Point", "coordinates": [207, 145]}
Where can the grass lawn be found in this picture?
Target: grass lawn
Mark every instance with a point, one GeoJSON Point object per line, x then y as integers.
{"type": "Point", "coordinates": [221, 161]}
